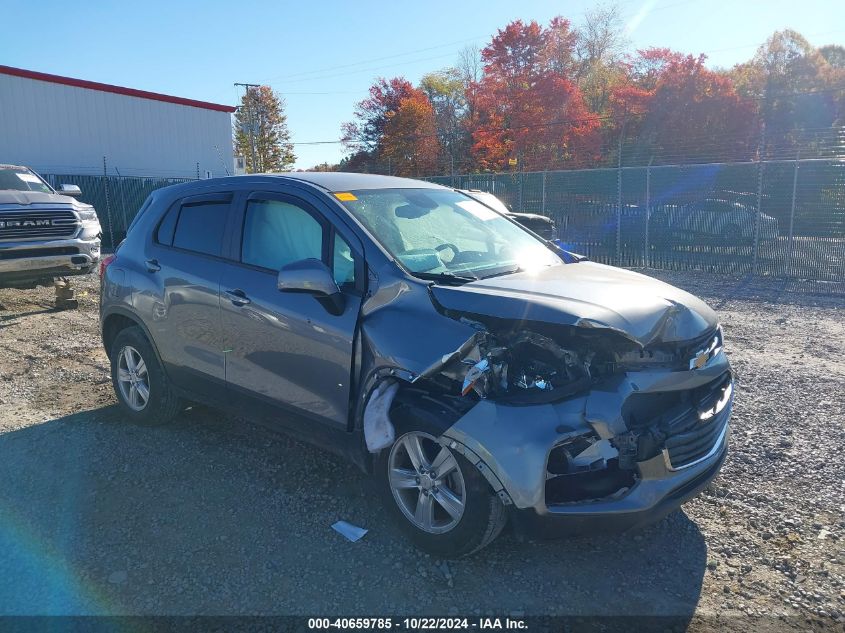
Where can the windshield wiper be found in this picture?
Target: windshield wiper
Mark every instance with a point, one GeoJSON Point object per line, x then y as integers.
{"type": "Point", "coordinates": [446, 277]}
{"type": "Point", "coordinates": [501, 273]}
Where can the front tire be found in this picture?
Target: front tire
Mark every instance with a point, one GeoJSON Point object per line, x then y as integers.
{"type": "Point", "coordinates": [438, 497]}
{"type": "Point", "coordinates": [139, 381]}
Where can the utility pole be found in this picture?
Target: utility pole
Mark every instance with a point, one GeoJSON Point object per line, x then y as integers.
{"type": "Point", "coordinates": [251, 123]}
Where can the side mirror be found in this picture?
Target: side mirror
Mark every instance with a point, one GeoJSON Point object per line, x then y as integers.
{"type": "Point", "coordinates": [70, 190]}
{"type": "Point", "coordinates": [313, 277]}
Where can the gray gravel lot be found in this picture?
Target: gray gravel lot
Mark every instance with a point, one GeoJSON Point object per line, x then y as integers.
{"type": "Point", "coordinates": [212, 515]}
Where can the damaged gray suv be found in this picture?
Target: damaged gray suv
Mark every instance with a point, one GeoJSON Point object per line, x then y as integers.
{"type": "Point", "coordinates": [477, 371]}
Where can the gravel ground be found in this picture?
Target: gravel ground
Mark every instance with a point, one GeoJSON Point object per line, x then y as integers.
{"type": "Point", "coordinates": [212, 515]}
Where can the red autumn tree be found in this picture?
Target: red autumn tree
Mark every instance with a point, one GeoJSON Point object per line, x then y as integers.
{"type": "Point", "coordinates": [395, 131]}
{"type": "Point", "coordinates": [677, 109]}
{"type": "Point", "coordinates": [373, 112]}
{"type": "Point", "coordinates": [410, 143]}
{"type": "Point", "coordinates": [527, 107]}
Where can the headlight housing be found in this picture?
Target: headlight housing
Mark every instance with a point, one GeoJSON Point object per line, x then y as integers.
{"type": "Point", "coordinates": [88, 215]}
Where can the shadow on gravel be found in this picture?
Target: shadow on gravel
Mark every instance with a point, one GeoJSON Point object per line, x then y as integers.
{"type": "Point", "coordinates": [7, 320]}
{"type": "Point", "coordinates": [214, 516]}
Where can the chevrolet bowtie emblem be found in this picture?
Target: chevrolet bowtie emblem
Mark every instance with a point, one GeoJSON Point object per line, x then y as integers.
{"type": "Point", "coordinates": [700, 360]}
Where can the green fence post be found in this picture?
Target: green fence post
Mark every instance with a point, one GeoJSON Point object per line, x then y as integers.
{"type": "Point", "coordinates": [108, 204]}
{"type": "Point", "coordinates": [647, 258]}
{"type": "Point", "coordinates": [792, 212]}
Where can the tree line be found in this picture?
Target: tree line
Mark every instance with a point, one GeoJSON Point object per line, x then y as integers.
{"type": "Point", "coordinates": [541, 97]}
{"type": "Point", "coordinates": [557, 96]}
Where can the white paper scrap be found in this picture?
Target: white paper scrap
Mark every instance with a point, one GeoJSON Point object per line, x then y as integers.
{"type": "Point", "coordinates": [352, 532]}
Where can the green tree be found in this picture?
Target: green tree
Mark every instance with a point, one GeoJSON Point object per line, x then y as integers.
{"type": "Point", "coordinates": [834, 54]}
{"type": "Point", "coordinates": [446, 92]}
{"type": "Point", "coordinates": [261, 132]}
{"type": "Point", "coordinates": [791, 80]}
{"type": "Point", "coordinates": [599, 46]}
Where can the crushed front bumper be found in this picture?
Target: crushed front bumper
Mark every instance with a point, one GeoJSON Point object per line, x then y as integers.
{"type": "Point", "coordinates": [647, 504]}
{"type": "Point", "coordinates": [511, 446]}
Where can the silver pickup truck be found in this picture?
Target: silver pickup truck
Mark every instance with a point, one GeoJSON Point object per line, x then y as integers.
{"type": "Point", "coordinates": [45, 236]}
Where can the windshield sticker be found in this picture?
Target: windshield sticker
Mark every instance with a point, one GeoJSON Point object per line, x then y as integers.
{"type": "Point", "coordinates": [28, 177]}
{"type": "Point", "coordinates": [478, 210]}
{"type": "Point", "coordinates": [345, 196]}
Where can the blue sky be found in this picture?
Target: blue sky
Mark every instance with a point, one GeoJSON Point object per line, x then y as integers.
{"type": "Point", "coordinates": [323, 55]}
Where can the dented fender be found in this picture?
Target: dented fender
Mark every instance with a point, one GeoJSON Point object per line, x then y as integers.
{"type": "Point", "coordinates": [401, 330]}
{"type": "Point", "coordinates": [514, 442]}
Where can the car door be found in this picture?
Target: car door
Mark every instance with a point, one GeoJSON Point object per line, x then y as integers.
{"type": "Point", "coordinates": [288, 350]}
{"type": "Point", "coordinates": [184, 265]}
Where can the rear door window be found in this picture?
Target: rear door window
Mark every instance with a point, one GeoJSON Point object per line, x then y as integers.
{"type": "Point", "coordinates": [201, 226]}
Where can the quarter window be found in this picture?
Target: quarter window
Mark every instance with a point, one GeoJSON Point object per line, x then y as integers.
{"type": "Point", "coordinates": [164, 233]}
{"type": "Point", "coordinates": [343, 262]}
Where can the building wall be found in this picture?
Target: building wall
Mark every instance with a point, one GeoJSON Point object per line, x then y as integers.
{"type": "Point", "coordinates": [64, 129]}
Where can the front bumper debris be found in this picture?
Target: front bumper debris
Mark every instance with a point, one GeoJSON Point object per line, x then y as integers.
{"type": "Point", "coordinates": [654, 438]}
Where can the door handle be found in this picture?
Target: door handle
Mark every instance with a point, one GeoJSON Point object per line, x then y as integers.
{"type": "Point", "coordinates": [152, 265]}
{"type": "Point", "coordinates": [238, 297]}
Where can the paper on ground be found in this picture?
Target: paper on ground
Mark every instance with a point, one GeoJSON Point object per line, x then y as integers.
{"type": "Point", "coordinates": [352, 532]}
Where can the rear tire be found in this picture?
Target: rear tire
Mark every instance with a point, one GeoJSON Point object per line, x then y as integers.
{"type": "Point", "coordinates": [139, 381]}
{"type": "Point", "coordinates": [465, 514]}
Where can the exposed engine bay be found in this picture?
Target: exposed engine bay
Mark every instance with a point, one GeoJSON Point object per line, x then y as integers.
{"type": "Point", "coordinates": [585, 374]}
{"type": "Point", "coordinates": [527, 365]}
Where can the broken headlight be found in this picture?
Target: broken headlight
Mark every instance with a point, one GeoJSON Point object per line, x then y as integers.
{"type": "Point", "coordinates": [528, 368]}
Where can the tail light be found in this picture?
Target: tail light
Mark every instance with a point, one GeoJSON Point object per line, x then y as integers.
{"type": "Point", "coordinates": [104, 263]}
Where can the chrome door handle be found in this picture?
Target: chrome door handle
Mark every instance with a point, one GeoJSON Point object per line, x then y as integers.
{"type": "Point", "coordinates": [152, 265]}
{"type": "Point", "coordinates": [238, 297]}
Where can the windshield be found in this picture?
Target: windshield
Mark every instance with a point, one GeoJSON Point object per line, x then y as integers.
{"type": "Point", "coordinates": [438, 233]}
{"type": "Point", "coordinates": [20, 179]}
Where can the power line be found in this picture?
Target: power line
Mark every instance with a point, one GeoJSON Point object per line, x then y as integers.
{"type": "Point", "coordinates": [373, 59]}
{"type": "Point", "coordinates": [370, 69]}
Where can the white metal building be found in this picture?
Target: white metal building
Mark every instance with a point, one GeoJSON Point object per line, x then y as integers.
{"type": "Point", "coordinates": [60, 125]}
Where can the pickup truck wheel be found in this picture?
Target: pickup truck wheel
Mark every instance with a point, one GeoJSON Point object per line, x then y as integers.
{"type": "Point", "coordinates": [438, 497]}
{"type": "Point", "coordinates": [139, 380]}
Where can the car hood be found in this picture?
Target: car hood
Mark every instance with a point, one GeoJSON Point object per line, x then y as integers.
{"type": "Point", "coordinates": [529, 216]}
{"type": "Point", "coordinates": [11, 196]}
{"type": "Point", "coordinates": [586, 294]}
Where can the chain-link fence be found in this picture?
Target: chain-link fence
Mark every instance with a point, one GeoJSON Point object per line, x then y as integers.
{"type": "Point", "coordinates": [782, 218]}
{"type": "Point", "coordinates": [116, 198]}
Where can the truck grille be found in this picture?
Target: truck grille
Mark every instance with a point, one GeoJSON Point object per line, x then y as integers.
{"type": "Point", "coordinates": [693, 435]}
{"type": "Point", "coordinates": [27, 253]}
{"type": "Point", "coordinates": [16, 225]}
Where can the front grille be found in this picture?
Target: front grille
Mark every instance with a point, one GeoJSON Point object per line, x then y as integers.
{"type": "Point", "coordinates": [26, 253]}
{"type": "Point", "coordinates": [16, 225]}
{"type": "Point", "coordinates": [692, 435]}
{"type": "Point", "coordinates": [683, 424]}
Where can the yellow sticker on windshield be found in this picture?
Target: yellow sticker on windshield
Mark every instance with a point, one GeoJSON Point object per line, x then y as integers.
{"type": "Point", "coordinates": [345, 196]}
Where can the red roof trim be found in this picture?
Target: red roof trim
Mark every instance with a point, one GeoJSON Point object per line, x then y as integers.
{"type": "Point", "coordinates": [129, 92]}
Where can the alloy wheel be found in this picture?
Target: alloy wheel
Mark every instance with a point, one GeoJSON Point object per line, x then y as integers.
{"type": "Point", "coordinates": [133, 379]}
{"type": "Point", "coordinates": [426, 482]}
